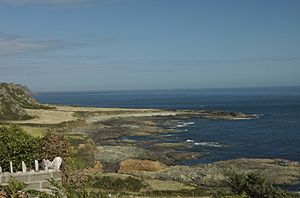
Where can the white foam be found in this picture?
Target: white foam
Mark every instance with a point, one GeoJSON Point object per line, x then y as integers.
{"type": "Point", "coordinates": [189, 123]}
{"type": "Point", "coordinates": [190, 140]}
{"type": "Point", "coordinates": [242, 118]}
{"type": "Point", "coordinates": [185, 124]}
{"type": "Point", "coordinates": [167, 135]}
{"type": "Point", "coordinates": [255, 116]}
{"type": "Point", "coordinates": [209, 144]}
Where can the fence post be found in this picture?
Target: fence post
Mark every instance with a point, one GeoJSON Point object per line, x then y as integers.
{"type": "Point", "coordinates": [11, 167]}
{"type": "Point", "coordinates": [36, 165]}
{"type": "Point", "coordinates": [24, 168]}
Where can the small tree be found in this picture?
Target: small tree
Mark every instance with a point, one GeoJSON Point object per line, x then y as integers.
{"type": "Point", "coordinates": [17, 146]}
{"type": "Point", "coordinates": [54, 145]}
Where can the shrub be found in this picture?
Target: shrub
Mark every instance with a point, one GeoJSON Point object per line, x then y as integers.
{"type": "Point", "coordinates": [54, 145]}
{"type": "Point", "coordinates": [14, 189]}
{"type": "Point", "coordinates": [79, 159]}
{"type": "Point", "coordinates": [16, 146]}
{"type": "Point", "coordinates": [253, 185]}
{"type": "Point", "coordinates": [110, 183]}
{"type": "Point", "coordinates": [197, 192]}
{"type": "Point", "coordinates": [237, 183]}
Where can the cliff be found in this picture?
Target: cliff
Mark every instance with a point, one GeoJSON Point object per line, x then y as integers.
{"type": "Point", "coordinates": [14, 98]}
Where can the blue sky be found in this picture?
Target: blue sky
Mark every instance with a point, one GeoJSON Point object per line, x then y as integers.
{"type": "Point", "coordinates": [67, 45]}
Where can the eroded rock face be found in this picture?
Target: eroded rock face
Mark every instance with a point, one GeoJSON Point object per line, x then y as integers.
{"type": "Point", "coordinates": [14, 99]}
{"type": "Point", "coordinates": [133, 165]}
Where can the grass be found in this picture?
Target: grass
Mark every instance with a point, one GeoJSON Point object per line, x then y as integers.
{"type": "Point", "coordinates": [76, 139]}
{"type": "Point", "coordinates": [111, 182]}
{"type": "Point", "coordinates": [35, 131]}
{"type": "Point", "coordinates": [32, 130]}
{"type": "Point", "coordinates": [158, 185]}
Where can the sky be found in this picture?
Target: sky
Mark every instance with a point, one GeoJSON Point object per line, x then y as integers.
{"type": "Point", "coordinates": [80, 45]}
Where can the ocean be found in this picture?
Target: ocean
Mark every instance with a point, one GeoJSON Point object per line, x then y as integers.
{"type": "Point", "coordinates": [275, 135]}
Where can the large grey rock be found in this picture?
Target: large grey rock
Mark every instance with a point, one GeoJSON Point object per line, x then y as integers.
{"type": "Point", "coordinates": [55, 164]}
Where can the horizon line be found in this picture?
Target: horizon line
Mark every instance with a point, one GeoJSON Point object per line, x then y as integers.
{"type": "Point", "coordinates": [169, 89]}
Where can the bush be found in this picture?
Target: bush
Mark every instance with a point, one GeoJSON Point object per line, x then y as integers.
{"type": "Point", "coordinates": [79, 159]}
{"type": "Point", "coordinates": [253, 185]}
{"type": "Point", "coordinates": [13, 189]}
{"type": "Point", "coordinates": [110, 183]}
{"type": "Point", "coordinates": [54, 145]}
{"type": "Point", "coordinates": [17, 146]}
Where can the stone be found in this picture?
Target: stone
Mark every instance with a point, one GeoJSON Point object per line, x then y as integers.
{"type": "Point", "coordinates": [40, 176]}
{"type": "Point", "coordinates": [24, 168]}
{"type": "Point", "coordinates": [36, 165]}
{"type": "Point", "coordinates": [11, 167]}
{"type": "Point", "coordinates": [55, 164]}
{"type": "Point", "coordinates": [34, 185]}
{"type": "Point", "coordinates": [45, 164]}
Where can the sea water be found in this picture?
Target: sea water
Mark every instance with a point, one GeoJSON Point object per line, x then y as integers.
{"type": "Point", "coordinates": [276, 134]}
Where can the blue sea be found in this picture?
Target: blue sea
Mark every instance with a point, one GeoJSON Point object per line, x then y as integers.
{"type": "Point", "coordinates": [275, 135]}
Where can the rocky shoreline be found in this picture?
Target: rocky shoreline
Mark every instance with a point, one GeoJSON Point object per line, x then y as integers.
{"type": "Point", "coordinates": [135, 142]}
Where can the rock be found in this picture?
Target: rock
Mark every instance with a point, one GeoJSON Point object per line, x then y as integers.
{"type": "Point", "coordinates": [133, 165]}
{"type": "Point", "coordinates": [111, 156]}
{"type": "Point", "coordinates": [14, 99]}
{"type": "Point", "coordinates": [55, 164]}
{"type": "Point", "coordinates": [214, 174]}
{"type": "Point", "coordinates": [98, 168]}
{"type": "Point", "coordinates": [36, 165]}
{"type": "Point", "coordinates": [24, 168]}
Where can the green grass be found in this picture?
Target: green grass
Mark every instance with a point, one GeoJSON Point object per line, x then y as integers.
{"type": "Point", "coordinates": [107, 182]}
{"type": "Point", "coordinates": [76, 139]}
{"type": "Point", "coordinates": [159, 185]}
{"type": "Point", "coordinates": [35, 131]}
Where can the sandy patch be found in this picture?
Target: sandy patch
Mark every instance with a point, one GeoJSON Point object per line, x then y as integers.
{"type": "Point", "coordinates": [48, 116]}
{"type": "Point", "coordinates": [101, 118]}
{"type": "Point", "coordinates": [96, 109]}
{"type": "Point", "coordinates": [66, 114]}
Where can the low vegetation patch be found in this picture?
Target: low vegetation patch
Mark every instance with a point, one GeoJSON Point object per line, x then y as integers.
{"type": "Point", "coordinates": [120, 184]}
{"type": "Point", "coordinates": [16, 146]}
{"type": "Point", "coordinates": [253, 185]}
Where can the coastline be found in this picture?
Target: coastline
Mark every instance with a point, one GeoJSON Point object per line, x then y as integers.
{"type": "Point", "coordinates": [111, 128]}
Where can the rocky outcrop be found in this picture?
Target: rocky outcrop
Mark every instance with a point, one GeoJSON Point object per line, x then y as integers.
{"type": "Point", "coordinates": [111, 156]}
{"type": "Point", "coordinates": [276, 171]}
{"type": "Point", "coordinates": [98, 168]}
{"type": "Point", "coordinates": [133, 165]}
{"type": "Point", "coordinates": [14, 98]}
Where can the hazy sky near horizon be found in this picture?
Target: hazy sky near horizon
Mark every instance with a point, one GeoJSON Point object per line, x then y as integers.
{"type": "Point", "coordinates": [60, 45]}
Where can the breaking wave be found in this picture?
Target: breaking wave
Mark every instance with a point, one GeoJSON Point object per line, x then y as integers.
{"type": "Point", "coordinates": [209, 144]}
{"type": "Point", "coordinates": [185, 124]}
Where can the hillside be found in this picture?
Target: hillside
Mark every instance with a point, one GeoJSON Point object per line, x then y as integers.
{"type": "Point", "coordinates": [14, 98]}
